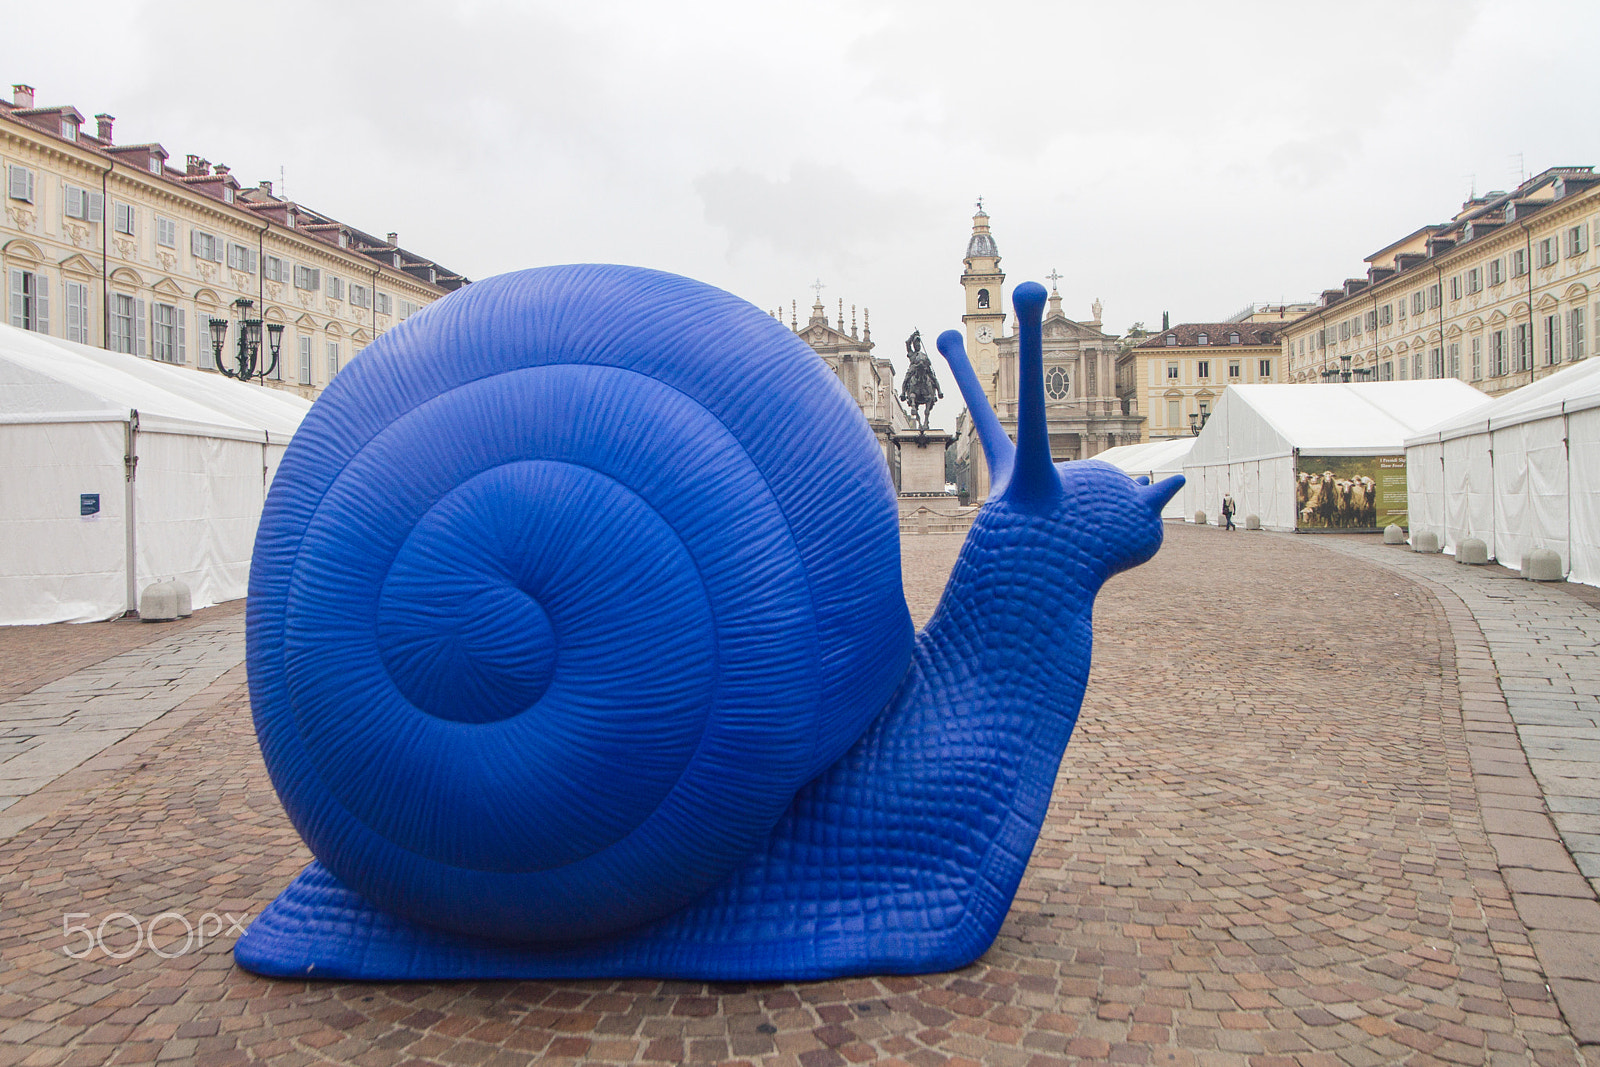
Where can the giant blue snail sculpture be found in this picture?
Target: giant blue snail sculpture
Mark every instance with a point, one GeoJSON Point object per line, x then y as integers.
{"type": "Point", "coordinates": [577, 648]}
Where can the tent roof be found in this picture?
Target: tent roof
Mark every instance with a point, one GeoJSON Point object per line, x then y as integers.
{"type": "Point", "coordinates": [46, 379]}
{"type": "Point", "coordinates": [1339, 419]}
{"type": "Point", "coordinates": [1149, 456]}
{"type": "Point", "coordinates": [1572, 389]}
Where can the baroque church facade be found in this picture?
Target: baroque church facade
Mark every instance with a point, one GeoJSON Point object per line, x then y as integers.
{"type": "Point", "coordinates": [1084, 415]}
{"type": "Point", "coordinates": [869, 379]}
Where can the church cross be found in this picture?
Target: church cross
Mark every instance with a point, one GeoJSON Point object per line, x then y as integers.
{"type": "Point", "coordinates": [1054, 277]}
{"type": "Point", "coordinates": [980, 205]}
{"type": "Point", "coordinates": [818, 286]}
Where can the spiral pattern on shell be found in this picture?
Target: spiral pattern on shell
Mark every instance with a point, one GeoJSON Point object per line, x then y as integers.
{"type": "Point", "coordinates": [562, 590]}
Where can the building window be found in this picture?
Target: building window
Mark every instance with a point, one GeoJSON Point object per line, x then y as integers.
{"type": "Point", "coordinates": [1522, 345]}
{"type": "Point", "coordinates": [1344, 330]}
{"type": "Point", "coordinates": [1497, 272]}
{"type": "Point", "coordinates": [272, 269]}
{"type": "Point", "coordinates": [1477, 359]}
{"type": "Point", "coordinates": [30, 300]}
{"type": "Point", "coordinates": [1055, 383]}
{"type": "Point", "coordinates": [69, 129]}
{"type": "Point", "coordinates": [1371, 321]}
{"type": "Point", "coordinates": [1172, 372]}
{"type": "Point", "coordinates": [333, 359]}
{"type": "Point", "coordinates": [1419, 302]}
{"type": "Point", "coordinates": [1454, 368]}
{"type": "Point", "coordinates": [1233, 338]}
{"type": "Point", "coordinates": [1552, 340]}
{"type": "Point", "coordinates": [385, 304]}
{"type": "Point", "coordinates": [308, 278]}
{"type": "Point", "coordinates": [205, 246]}
{"type": "Point", "coordinates": [82, 204]}
{"type": "Point", "coordinates": [1264, 369]}
{"type": "Point", "coordinates": [408, 309]}
{"type": "Point", "coordinates": [335, 288]}
{"type": "Point", "coordinates": [1497, 353]}
{"type": "Point", "coordinates": [359, 295]}
{"type": "Point", "coordinates": [241, 257]}
{"type": "Point", "coordinates": [1547, 252]}
{"type": "Point", "coordinates": [155, 165]}
{"type": "Point", "coordinates": [166, 333]}
{"type": "Point", "coordinates": [122, 220]}
{"type": "Point", "coordinates": [1386, 315]}
{"type": "Point", "coordinates": [1435, 295]}
{"type": "Point", "coordinates": [1170, 340]}
{"type": "Point", "coordinates": [19, 183]}
{"type": "Point", "coordinates": [127, 324]}
{"type": "Point", "coordinates": [983, 298]}
{"type": "Point", "coordinates": [1233, 369]}
{"type": "Point", "coordinates": [1386, 372]}
{"type": "Point", "coordinates": [166, 232]}
{"type": "Point", "coordinates": [1475, 279]}
{"type": "Point", "coordinates": [1455, 287]}
{"type": "Point", "coordinates": [1202, 340]}
{"type": "Point", "coordinates": [227, 194]}
{"type": "Point", "coordinates": [1436, 363]}
{"type": "Point", "coordinates": [1575, 334]}
{"type": "Point", "coordinates": [1174, 413]}
{"type": "Point", "coordinates": [1519, 262]}
{"type": "Point", "coordinates": [1577, 240]}
{"type": "Point", "coordinates": [78, 312]}
{"type": "Point", "coordinates": [305, 361]}
{"type": "Point", "coordinates": [1203, 367]}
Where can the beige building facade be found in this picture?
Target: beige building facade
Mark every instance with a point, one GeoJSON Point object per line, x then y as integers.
{"type": "Point", "coordinates": [111, 246]}
{"type": "Point", "coordinates": [1176, 377]}
{"type": "Point", "coordinates": [1504, 293]}
{"type": "Point", "coordinates": [1083, 412]}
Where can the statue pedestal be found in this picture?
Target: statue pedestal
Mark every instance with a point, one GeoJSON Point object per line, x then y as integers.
{"type": "Point", "coordinates": [925, 505]}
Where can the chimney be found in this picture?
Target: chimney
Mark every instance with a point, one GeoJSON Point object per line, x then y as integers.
{"type": "Point", "coordinates": [197, 166]}
{"type": "Point", "coordinates": [266, 187]}
{"type": "Point", "coordinates": [104, 131]}
{"type": "Point", "coordinates": [394, 239]}
{"type": "Point", "coordinates": [222, 170]}
{"type": "Point", "coordinates": [22, 95]}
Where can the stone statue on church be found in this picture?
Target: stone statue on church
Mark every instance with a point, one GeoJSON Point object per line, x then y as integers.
{"type": "Point", "coordinates": [921, 389]}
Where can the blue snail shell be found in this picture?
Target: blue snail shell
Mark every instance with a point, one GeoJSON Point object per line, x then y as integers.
{"type": "Point", "coordinates": [562, 590]}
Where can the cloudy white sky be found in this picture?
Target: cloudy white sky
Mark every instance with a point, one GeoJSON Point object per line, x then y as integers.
{"type": "Point", "coordinates": [1176, 157]}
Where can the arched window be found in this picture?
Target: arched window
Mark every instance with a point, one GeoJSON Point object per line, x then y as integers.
{"type": "Point", "coordinates": [1233, 338]}
{"type": "Point", "coordinates": [1202, 340]}
{"type": "Point", "coordinates": [1170, 339]}
{"type": "Point", "coordinates": [983, 298]}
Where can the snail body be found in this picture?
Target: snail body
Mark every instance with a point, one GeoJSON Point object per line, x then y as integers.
{"type": "Point", "coordinates": [853, 802]}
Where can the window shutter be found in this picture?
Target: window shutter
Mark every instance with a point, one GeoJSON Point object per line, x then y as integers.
{"type": "Point", "coordinates": [181, 352]}
{"type": "Point", "coordinates": [75, 206]}
{"type": "Point", "coordinates": [138, 327]}
{"type": "Point", "coordinates": [194, 242]}
{"type": "Point", "coordinates": [16, 295]}
{"type": "Point", "coordinates": [15, 187]}
{"type": "Point", "coordinates": [255, 260]}
{"type": "Point", "coordinates": [41, 303]}
{"type": "Point", "coordinates": [97, 207]}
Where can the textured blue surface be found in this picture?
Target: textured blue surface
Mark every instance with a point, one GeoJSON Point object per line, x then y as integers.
{"type": "Point", "coordinates": [437, 631]}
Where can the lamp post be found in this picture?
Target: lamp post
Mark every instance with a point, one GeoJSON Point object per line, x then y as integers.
{"type": "Point", "coordinates": [248, 362]}
{"type": "Point", "coordinates": [1197, 422]}
{"type": "Point", "coordinates": [1345, 372]}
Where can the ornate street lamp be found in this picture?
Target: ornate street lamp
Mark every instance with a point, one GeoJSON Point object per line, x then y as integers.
{"type": "Point", "coordinates": [1344, 373]}
{"type": "Point", "coordinates": [1197, 422]}
{"type": "Point", "coordinates": [248, 361]}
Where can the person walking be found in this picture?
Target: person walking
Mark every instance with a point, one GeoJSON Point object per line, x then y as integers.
{"type": "Point", "coordinates": [1227, 511]}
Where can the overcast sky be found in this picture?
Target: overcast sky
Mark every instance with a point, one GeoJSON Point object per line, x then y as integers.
{"type": "Point", "coordinates": [1177, 157]}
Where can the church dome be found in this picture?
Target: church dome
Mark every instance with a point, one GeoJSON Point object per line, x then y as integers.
{"type": "Point", "coordinates": [982, 244]}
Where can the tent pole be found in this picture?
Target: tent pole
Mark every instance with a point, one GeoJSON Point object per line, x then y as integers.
{"type": "Point", "coordinates": [130, 463]}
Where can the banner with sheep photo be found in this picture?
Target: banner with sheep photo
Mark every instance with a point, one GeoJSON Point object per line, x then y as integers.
{"type": "Point", "coordinates": [1350, 492]}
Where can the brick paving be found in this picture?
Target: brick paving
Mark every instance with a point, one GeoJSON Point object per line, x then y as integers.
{"type": "Point", "coordinates": [1530, 685]}
{"type": "Point", "coordinates": [1267, 846]}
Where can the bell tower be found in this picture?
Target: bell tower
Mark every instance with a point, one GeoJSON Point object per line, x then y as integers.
{"type": "Point", "coordinates": [985, 316]}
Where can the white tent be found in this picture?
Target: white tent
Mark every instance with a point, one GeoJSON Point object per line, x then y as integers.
{"type": "Point", "coordinates": [90, 439]}
{"type": "Point", "coordinates": [1316, 457]}
{"type": "Point", "coordinates": [1520, 472]}
{"type": "Point", "coordinates": [1155, 460]}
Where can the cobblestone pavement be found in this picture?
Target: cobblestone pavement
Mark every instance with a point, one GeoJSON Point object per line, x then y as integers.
{"type": "Point", "coordinates": [55, 726]}
{"type": "Point", "coordinates": [1538, 675]}
{"type": "Point", "coordinates": [1265, 847]}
